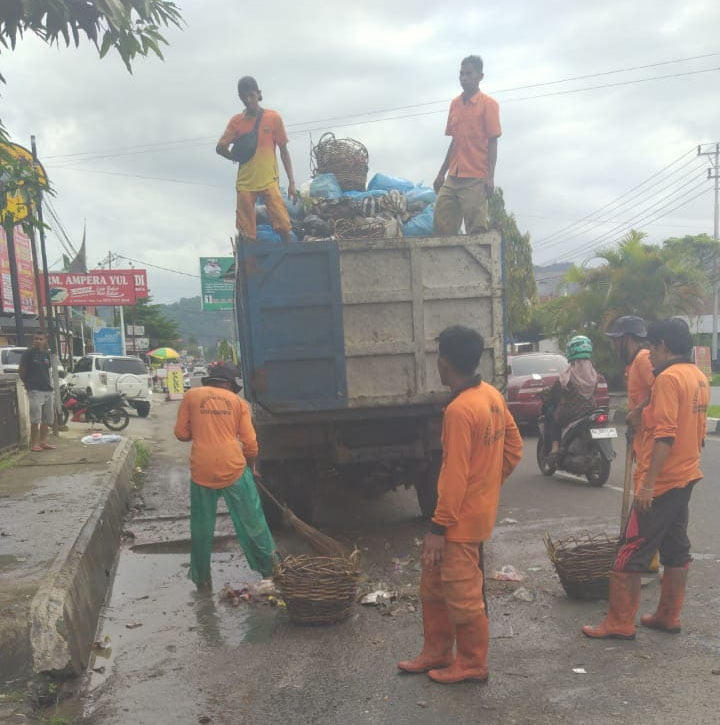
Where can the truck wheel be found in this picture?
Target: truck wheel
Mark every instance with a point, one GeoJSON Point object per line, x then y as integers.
{"type": "Point", "coordinates": [426, 486]}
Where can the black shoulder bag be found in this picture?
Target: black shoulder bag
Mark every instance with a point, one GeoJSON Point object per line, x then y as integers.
{"type": "Point", "coordinates": [245, 145]}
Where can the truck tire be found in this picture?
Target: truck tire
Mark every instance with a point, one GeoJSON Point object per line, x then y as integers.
{"type": "Point", "coordinates": [426, 486]}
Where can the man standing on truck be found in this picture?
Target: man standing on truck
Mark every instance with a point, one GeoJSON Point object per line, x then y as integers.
{"type": "Point", "coordinates": [34, 371]}
{"type": "Point", "coordinates": [481, 447]}
{"type": "Point", "coordinates": [467, 176]}
{"type": "Point", "coordinates": [259, 176]}
{"type": "Point", "coordinates": [224, 449]}
{"type": "Point", "coordinates": [673, 434]}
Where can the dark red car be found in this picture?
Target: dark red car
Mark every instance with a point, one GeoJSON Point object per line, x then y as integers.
{"type": "Point", "coordinates": [528, 375]}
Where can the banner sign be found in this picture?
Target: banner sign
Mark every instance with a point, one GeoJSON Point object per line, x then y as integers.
{"type": "Point", "coordinates": [101, 287]}
{"type": "Point", "coordinates": [26, 274]}
{"type": "Point", "coordinates": [217, 292]}
{"type": "Point", "coordinates": [175, 387]}
{"type": "Point", "coordinates": [137, 344]}
{"type": "Point", "coordinates": [108, 341]}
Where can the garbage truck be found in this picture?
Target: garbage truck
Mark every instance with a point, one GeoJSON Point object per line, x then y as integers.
{"type": "Point", "coordinates": [339, 349]}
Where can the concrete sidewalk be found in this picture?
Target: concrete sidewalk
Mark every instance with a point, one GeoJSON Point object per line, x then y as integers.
{"type": "Point", "coordinates": [61, 515]}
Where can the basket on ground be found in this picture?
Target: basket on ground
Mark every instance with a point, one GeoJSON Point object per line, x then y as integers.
{"type": "Point", "coordinates": [583, 563]}
{"type": "Point", "coordinates": [317, 589]}
{"type": "Point", "coordinates": [344, 157]}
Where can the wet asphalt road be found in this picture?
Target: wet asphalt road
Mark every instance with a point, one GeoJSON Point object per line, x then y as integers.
{"type": "Point", "coordinates": [173, 656]}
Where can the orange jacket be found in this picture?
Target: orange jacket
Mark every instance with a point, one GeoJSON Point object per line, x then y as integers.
{"type": "Point", "coordinates": [640, 378]}
{"type": "Point", "coordinates": [677, 410]}
{"type": "Point", "coordinates": [217, 422]}
{"type": "Point", "coordinates": [481, 447]}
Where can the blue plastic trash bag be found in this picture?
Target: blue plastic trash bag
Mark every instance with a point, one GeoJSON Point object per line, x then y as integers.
{"type": "Point", "coordinates": [364, 194]}
{"type": "Point", "coordinates": [265, 233]}
{"type": "Point", "coordinates": [385, 182]}
{"type": "Point", "coordinates": [420, 196]}
{"type": "Point", "coordinates": [421, 225]}
{"type": "Point", "coordinates": [325, 186]}
{"type": "Point", "coordinates": [295, 208]}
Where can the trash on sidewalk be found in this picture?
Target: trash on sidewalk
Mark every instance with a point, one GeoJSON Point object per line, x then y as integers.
{"type": "Point", "coordinates": [508, 573]}
{"type": "Point", "coordinates": [509, 521]}
{"type": "Point", "coordinates": [133, 625]}
{"type": "Point", "coordinates": [400, 563]}
{"type": "Point", "coordinates": [579, 670]}
{"type": "Point", "coordinates": [524, 595]}
{"type": "Point", "coordinates": [96, 438]}
{"type": "Point", "coordinates": [262, 592]}
{"type": "Point", "coordinates": [378, 598]}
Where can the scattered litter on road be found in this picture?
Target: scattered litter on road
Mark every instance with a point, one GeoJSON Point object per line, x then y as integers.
{"type": "Point", "coordinates": [418, 542]}
{"type": "Point", "coordinates": [133, 625]}
{"type": "Point", "coordinates": [534, 568]}
{"type": "Point", "coordinates": [400, 563]}
{"type": "Point", "coordinates": [378, 598]}
{"type": "Point", "coordinates": [101, 645]}
{"type": "Point", "coordinates": [95, 438]}
{"type": "Point", "coordinates": [508, 574]}
{"type": "Point", "coordinates": [421, 703]}
{"type": "Point", "coordinates": [509, 521]}
{"type": "Point", "coordinates": [262, 592]}
{"type": "Point", "coordinates": [579, 670]}
{"type": "Point", "coordinates": [100, 670]}
{"type": "Point", "coordinates": [524, 595]}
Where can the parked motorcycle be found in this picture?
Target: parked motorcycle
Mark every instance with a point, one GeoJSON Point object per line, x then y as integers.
{"type": "Point", "coordinates": [586, 449]}
{"type": "Point", "coordinates": [107, 409]}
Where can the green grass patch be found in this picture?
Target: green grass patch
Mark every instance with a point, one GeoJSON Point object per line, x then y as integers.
{"type": "Point", "coordinates": [715, 379]}
{"type": "Point", "coordinates": [10, 459]}
{"type": "Point", "coordinates": [713, 411]}
{"type": "Point", "coordinates": [142, 455]}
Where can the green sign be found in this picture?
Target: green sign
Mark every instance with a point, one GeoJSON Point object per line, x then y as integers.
{"type": "Point", "coordinates": [217, 283]}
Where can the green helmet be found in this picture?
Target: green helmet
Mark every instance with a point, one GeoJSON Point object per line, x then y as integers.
{"type": "Point", "coordinates": [579, 348]}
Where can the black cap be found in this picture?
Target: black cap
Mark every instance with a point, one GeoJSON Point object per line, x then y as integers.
{"type": "Point", "coordinates": [247, 84]}
{"type": "Point", "coordinates": [225, 372]}
{"type": "Point", "coordinates": [628, 325]}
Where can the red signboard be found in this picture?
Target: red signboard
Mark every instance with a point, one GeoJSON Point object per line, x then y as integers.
{"type": "Point", "coordinates": [26, 276]}
{"type": "Point", "coordinates": [100, 287]}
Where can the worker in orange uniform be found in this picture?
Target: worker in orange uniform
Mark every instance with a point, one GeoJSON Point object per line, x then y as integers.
{"type": "Point", "coordinates": [481, 446]}
{"type": "Point", "coordinates": [224, 448]}
{"type": "Point", "coordinates": [467, 177]}
{"type": "Point", "coordinates": [673, 434]}
{"type": "Point", "coordinates": [628, 334]}
{"type": "Point", "coordinates": [258, 174]}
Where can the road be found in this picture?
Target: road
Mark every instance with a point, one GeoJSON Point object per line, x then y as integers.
{"type": "Point", "coordinates": [174, 656]}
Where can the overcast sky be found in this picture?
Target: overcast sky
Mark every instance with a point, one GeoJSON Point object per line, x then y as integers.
{"type": "Point", "coordinates": [561, 157]}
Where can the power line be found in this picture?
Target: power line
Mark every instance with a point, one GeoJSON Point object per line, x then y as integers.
{"type": "Point", "coordinates": [166, 145]}
{"type": "Point", "coordinates": [156, 266]}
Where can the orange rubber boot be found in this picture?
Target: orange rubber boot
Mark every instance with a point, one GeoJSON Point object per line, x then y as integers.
{"type": "Point", "coordinates": [672, 596]}
{"type": "Point", "coordinates": [471, 660]}
{"type": "Point", "coordinates": [623, 606]}
{"type": "Point", "coordinates": [437, 648]}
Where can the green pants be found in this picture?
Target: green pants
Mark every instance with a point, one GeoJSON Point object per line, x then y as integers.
{"type": "Point", "coordinates": [248, 518]}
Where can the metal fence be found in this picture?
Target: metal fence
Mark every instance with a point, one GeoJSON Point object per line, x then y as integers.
{"type": "Point", "coordinates": [9, 416]}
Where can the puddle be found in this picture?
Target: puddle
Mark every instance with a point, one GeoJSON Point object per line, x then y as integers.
{"type": "Point", "coordinates": [156, 616]}
{"type": "Point", "coordinates": [221, 543]}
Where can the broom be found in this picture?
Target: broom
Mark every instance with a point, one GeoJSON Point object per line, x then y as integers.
{"type": "Point", "coordinates": [322, 543]}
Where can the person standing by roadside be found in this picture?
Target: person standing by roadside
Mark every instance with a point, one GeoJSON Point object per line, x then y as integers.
{"type": "Point", "coordinates": [481, 447]}
{"type": "Point", "coordinates": [224, 449]}
{"type": "Point", "coordinates": [34, 371]}
{"type": "Point", "coordinates": [467, 176]}
{"type": "Point", "coordinates": [672, 437]}
{"type": "Point", "coordinates": [258, 176]}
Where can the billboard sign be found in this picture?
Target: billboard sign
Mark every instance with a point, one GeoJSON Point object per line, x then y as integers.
{"type": "Point", "coordinates": [108, 341]}
{"type": "Point", "coordinates": [26, 274]}
{"type": "Point", "coordinates": [101, 287]}
{"type": "Point", "coordinates": [216, 291]}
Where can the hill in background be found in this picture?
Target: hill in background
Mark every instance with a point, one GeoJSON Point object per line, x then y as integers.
{"type": "Point", "coordinates": [206, 327]}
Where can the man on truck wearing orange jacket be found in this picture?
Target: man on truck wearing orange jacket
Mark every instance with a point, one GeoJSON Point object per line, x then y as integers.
{"type": "Point", "coordinates": [673, 435]}
{"type": "Point", "coordinates": [481, 447]}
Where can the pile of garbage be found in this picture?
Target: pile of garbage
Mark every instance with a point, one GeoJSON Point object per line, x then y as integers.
{"type": "Point", "coordinates": [339, 205]}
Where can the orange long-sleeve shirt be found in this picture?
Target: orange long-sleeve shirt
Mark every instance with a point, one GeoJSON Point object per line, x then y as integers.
{"type": "Point", "coordinates": [217, 422]}
{"type": "Point", "coordinates": [481, 447]}
{"type": "Point", "coordinates": [640, 379]}
{"type": "Point", "coordinates": [677, 410]}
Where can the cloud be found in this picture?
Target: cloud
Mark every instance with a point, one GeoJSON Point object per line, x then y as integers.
{"type": "Point", "coordinates": [561, 156]}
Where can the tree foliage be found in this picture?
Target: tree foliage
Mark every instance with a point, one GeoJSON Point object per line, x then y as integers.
{"type": "Point", "coordinates": [520, 286]}
{"type": "Point", "coordinates": [161, 330]}
{"type": "Point", "coordinates": [634, 278]}
{"type": "Point", "coordinates": [131, 27]}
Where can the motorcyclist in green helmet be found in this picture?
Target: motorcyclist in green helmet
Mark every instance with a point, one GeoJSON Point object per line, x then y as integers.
{"type": "Point", "coordinates": [573, 394]}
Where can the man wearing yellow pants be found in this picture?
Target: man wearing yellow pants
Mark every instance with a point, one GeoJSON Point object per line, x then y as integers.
{"type": "Point", "coordinates": [224, 448]}
{"type": "Point", "coordinates": [481, 447]}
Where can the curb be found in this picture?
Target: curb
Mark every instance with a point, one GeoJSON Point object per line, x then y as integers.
{"type": "Point", "coordinates": [713, 426]}
{"type": "Point", "coordinates": [65, 609]}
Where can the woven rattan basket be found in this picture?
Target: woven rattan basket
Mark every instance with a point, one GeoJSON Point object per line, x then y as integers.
{"type": "Point", "coordinates": [317, 589]}
{"type": "Point", "coordinates": [344, 157]}
{"type": "Point", "coordinates": [583, 563]}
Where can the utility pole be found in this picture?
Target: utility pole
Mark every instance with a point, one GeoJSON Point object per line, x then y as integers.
{"type": "Point", "coordinates": [712, 151]}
